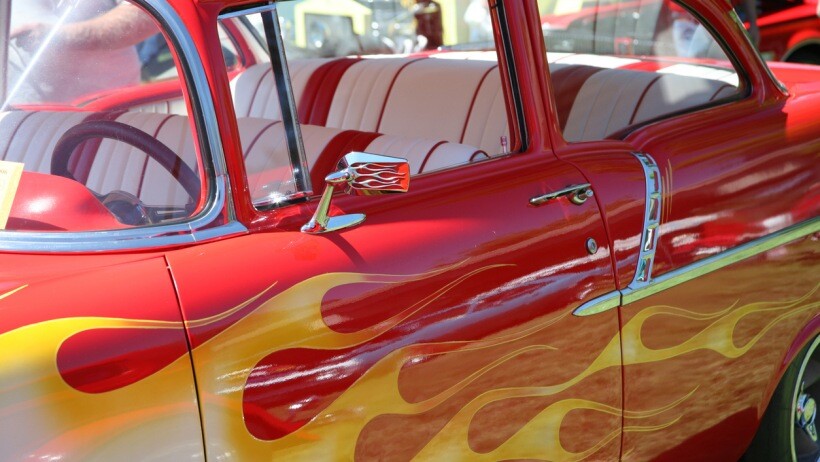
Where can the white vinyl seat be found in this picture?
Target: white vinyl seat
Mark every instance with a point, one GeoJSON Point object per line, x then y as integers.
{"type": "Point", "coordinates": [30, 137]}
{"type": "Point", "coordinates": [460, 101]}
{"type": "Point", "coordinates": [254, 90]}
{"type": "Point", "coordinates": [613, 99]}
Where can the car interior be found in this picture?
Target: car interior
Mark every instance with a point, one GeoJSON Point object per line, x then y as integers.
{"type": "Point", "coordinates": [437, 109]}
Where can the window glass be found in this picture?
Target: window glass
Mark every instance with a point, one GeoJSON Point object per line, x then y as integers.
{"type": "Point", "coordinates": [157, 61]}
{"type": "Point", "coordinates": [615, 64]}
{"type": "Point", "coordinates": [413, 79]}
{"type": "Point", "coordinates": [101, 146]}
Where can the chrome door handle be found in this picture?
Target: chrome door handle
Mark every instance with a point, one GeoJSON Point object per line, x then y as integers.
{"type": "Point", "coordinates": [578, 194]}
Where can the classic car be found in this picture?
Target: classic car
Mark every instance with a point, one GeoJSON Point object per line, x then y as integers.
{"type": "Point", "coordinates": [788, 30]}
{"type": "Point", "coordinates": [487, 251]}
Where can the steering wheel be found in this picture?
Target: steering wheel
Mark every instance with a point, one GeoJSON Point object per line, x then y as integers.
{"type": "Point", "coordinates": [128, 208]}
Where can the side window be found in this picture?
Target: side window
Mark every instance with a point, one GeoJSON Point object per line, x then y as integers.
{"type": "Point", "coordinates": [79, 119]}
{"type": "Point", "coordinates": [157, 61]}
{"type": "Point", "coordinates": [413, 79]}
{"type": "Point", "coordinates": [615, 64]}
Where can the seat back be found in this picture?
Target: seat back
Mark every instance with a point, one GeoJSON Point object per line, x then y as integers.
{"type": "Point", "coordinates": [457, 100]}
{"type": "Point", "coordinates": [103, 165]}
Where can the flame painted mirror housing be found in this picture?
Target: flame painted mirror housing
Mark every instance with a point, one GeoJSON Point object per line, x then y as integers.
{"type": "Point", "coordinates": [361, 174]}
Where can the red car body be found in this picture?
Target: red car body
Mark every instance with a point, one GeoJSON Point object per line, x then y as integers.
{"type": "Point", "coordinates": [471, 318]}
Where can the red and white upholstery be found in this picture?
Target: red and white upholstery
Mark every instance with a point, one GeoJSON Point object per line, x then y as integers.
{"type": "Point", "coordinates": [255, 93]}
{"type": "Point", "coordinates": [437, 113]}
{"type": "Point", "coordinates": [433, 98]}
{"type": "Point", "coordinates": [612, 99]}
{"type": "Point", "coordinates": [103, 164]}
{"type": "Point", "coordinates": [117, 165]}
{"type": "Point", "coordinates": [264, 146]}
{"type": "Point", "coordinates": [359, 100]}
{"type": "Point", "coordinates": [30, 137]}
{"type": "Point", "coordinates": [460, 101]}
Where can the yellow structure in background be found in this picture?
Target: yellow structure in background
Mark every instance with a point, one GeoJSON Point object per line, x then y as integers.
{"type": "Point", "coordinates": [557, 7]}
{"type": "Point", "coordinates": [359, 14]}
{"type": "Point", "coordinates": [452, 16]}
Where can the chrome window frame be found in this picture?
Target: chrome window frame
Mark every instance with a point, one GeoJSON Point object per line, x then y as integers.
{"type": "Point", "coordinates": [517, 101]}
{"type": "Point", "coordinates": [199, 228]}
{"type": "Point", "coordinates": [274, 45]}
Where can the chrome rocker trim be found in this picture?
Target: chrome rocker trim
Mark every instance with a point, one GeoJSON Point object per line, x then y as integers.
{"type": "Point", "coordinates": [702, 267]}
{"type": "Point", "coordinates": [644, 285]}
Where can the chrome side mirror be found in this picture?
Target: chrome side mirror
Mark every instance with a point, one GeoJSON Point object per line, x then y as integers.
{"type": "Point", "coordinates": [361, 174]}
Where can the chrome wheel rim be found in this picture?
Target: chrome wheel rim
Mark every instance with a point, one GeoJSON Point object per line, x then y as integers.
{"type": "Point", "coordinates": [805, 444]}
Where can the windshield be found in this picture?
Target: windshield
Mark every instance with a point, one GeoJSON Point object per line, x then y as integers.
{"type": "Point", "coordinates": [56, 55]}
{"type": "Point", "coordinates": [94, 129]}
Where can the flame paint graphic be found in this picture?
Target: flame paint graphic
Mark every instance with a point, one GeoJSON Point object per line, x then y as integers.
{"type": "Point", "coordinates": [381, 177]}
{"type": "Point", "coordinates": [541, 439]}
{"type": "Point", "coordinates": [293, 319]}
{"type": "Point", "coordinates": [45, 418]}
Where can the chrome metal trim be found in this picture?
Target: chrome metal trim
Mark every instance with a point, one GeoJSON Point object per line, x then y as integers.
{"type": "Point", "coordinates": [578, 195]}
{"type": "Point", "coordinates": [722, 260]}
{"type": "Point", "coordinates": [129, 239]}
{"type": "Point", "coordinates": [599, 305]}
{"type": "Point", "coordinates": [700, 268]}
{"type": "Point", "coordinates": [197, 229]}
{"type": "Point", "coordinates": [247, 11]}
{"type": "Point", "coordinates": [739, 24]}
{"type": "Point", "coordinates": [651, 221]}
{"type": "Point", "coordinates": [361, 174]}
{"type": "Point", "coordinates": [196, 72]}
{"type": "Point", "coordinates": [287, 101]}
{"type": "Point", "coordinates": [5, 21]}
{"type": "Point", "coordinates": [512, 75]}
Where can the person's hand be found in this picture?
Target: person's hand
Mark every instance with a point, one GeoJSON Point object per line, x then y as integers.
{"type": "Point", "coordinates": [30, 37]}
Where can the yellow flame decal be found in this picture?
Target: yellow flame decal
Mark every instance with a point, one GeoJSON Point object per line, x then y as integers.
{"type": "Point", "coordinates": [717, 336]}
{"type": "Point", "coordinates": [294, 317]}
{"type": "Point", "coordinates": [540, 438]}
{"type": "Point", "coordinates": [34, 395]}
{"type": "Point", "coordinates": [9, 294]}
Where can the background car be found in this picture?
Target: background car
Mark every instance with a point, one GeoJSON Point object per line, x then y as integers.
{"type": "Point", "coordinates": [789, 30]}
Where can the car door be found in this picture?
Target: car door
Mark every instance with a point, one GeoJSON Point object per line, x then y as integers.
{"type": "Point", "coordinates": [441, 327]}
{"type": "Point", "coordinates": [719, 290]}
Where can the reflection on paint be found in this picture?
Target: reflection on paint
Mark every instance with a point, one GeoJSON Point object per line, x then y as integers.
{"type": "Point", "coordinates": [293, 319]}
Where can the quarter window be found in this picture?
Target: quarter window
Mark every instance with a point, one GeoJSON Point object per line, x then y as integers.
{"type": "Point", "coordinates": [615, 64]}
{"type": "Point", "coordinates": [89, 140]}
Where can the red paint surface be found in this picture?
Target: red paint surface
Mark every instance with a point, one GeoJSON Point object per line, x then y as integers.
{"type": "Point", "coordinates": [104, 360]}
{"type": "Point", "coordinates": [314, 106]}
{"type": "Point", "coordinates": [51, 203]}
{"type": "Point", "coordinates": [722, 194]}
